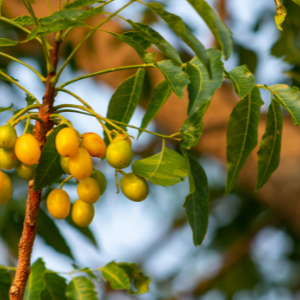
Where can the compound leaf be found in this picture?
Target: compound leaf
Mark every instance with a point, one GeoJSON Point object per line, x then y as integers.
{"type": "Point", "coordinates": [7, 42]}
{"type": "Point", "coordinates": [24, 21]}
{"type": "Point", "coordinates": [81, 288]}
{"type": "Point", "coordinates": [80, 3]}
{"type": "Point", "coordinates": [55, 287]}
{"type": "Point", "coordinates": [2, 109]}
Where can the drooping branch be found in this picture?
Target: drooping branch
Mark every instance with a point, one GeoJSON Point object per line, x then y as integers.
{"type": "Point", "coordinates": [34, 198]}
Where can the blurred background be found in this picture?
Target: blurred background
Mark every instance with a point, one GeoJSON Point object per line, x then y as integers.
{"type": "Point", "coordinates": [252, 248]}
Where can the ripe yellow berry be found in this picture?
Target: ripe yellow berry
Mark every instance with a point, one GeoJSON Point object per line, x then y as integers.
{"type": "Point", "coordinates": [94, 144]}
{"type": "Point", "coordinates": [100, 179]}
{"type": "Point", "coordinates": [64, 164]}
{"type": "Point", "coordinates": [88, 190]}
{"type": "Point", "coordinates": [80, 164]}
{"type": "Point", "coordinates": [120, 137]}
{"type": "Point", "coordinates": [8, 137]}
{"type": "Point", "coordinates": [58, 204]}
{"type": "Point", "coordinates": [8, 159]}
{"type": "Point", "coordinates": [26, 172]}
{"type": "Point", "coordinates": [82, 213]}
{"type": "Point", "coordinates": [119, 154]}
{"type": "Point", "coordinates": [6, 190]}
{"type": "Point", "coordinates": [1, 180]}
{"type": "Point", "coordinates": [67, 142]}
{"type": "Point", "coordinates": [27, 149]}
{"type": "Point", "coordinates": [134, 187]}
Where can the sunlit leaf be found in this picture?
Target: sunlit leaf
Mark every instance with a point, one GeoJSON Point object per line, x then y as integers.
{"type": "Point", "coordinates": [160, 95]}
{"type": "Point", "coordinates": [289, 98]}
{"type": "Point", "coordinates": [242, 135]}
{"type": "Point", "coordinates": [24, 21]}
{"type": "Point", "coordinates": [5, 283]}
{"type": "Point", "coordinates": [80, 3]}
{"type": "Point", "coordinates": [220, 31]}
{"type": "Point", "coordinates": [81, 288]}
{"type": "Point", "coordinates": [7, 43]}
{"type": "Point", "coordinates": [175, 76]}
{"type": "Point", "coordinates": [197, 202]}
{"type": "Point", "coordinates": [48, 230]}
{"type": "Point", "coordinates": [178, 26]}
{"type": "Point", "coordinates": [125, 99]}
{"type": "Point", "coordinates": [165, 168]}
{"type": "Point", "coordinates": [35, 284]}
{"type": "Point", "coordinates": [116, 276]}
{"type": "Point", "coordinates": [270, 145]}
{"type": "Point", "coordinates": [242, 80]}
{"type": "Point", "coordinates": [155, 38]}
{"type": "Point", "coordinates": [48, 169]}
{"type": "Point", "coordinates": [55, 287]}
{"type": "Point", "coordinates": [279, 17]}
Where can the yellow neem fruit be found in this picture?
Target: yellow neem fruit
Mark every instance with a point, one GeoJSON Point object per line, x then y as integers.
{"type": "Point", "coordinates": [67, 142]}
{"type": "Point", "coordinates": [120, 137]}
{"type": "Point", "coordinates": [8, 137]}
{"type": "Point", "coordinates": [88, 190]}
{"type": "Point", "coordinates": [80, 164]}
{"type": "Point", "coordinates": [6, 190]}
{"type": "Point", "coordinates": [27, 149]}
{"type": "Point", "coordinates": [100, 179]}
{"type": "Point", "coordinates": [64, 164]}
{"type": "Point", "coordinates": [1, 180]}
{"type": "Point", "coordinates": [119, 154]}
{"type": "Point", "coordinates": [94, 144]}
{"type": "Point", "coordinates": [26, 172]}
{"type": "Point", "coordinates": [134, 187]}
{"type": "Point", "coordinates": [82, 213]}
{"type": "Point", "coordinates": [58, 204]}
{"type": "Point", "coordinates": [8, 159]}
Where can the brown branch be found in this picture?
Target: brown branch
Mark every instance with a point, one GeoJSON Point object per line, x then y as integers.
{"type": "Point", "coordinates": [34, 198]}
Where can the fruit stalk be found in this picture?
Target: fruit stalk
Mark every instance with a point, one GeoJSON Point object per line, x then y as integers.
{"type": "Point", "coordinates": [34, 198]}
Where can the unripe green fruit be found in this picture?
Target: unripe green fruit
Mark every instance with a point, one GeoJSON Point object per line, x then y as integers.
{"type": "Point", "coordinates": [134, 187]}
{"type": "Point", "coordinates": [82, 213]}
{"type": "Point", "coordinates": [64, 164]}
{"type": "Point", "coordinates": [8, 137]}
{"type": "Point", "coordinates": [119, 154]}
{"type": "Point", "coordinates": [88, 190]}
{"type": "Point", "coordinates": [6, 190]}
{"type": "Point", "coordinates": [8, 159]}
{"type": "Point", "coordinates": [26, 172]}
{"type": "Point", "coordinates": [100, 179]}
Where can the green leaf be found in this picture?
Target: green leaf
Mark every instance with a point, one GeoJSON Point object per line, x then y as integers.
{"type": "Point", "coordinates": [242, 135]}
{"type": "Point", "coordinates": [83, 230]}
{"type": "Point", "coordinates": [289, 98]}
{"type": "Point", "coordinates": [5, 283]}
{"type": "Point", "coordinates": [201, 89]}
{"type": "Point", "coordinates": [176, 78]}
{"type": "Point", "coordinates": [89, 273]}
{"type": "Point", "coordinates": [125, 99]}
{"type": "Point", "coordinates": [270, 145]}
{"type": "Point", "coordinates": [4, 78]}
{"type": "Point", "coordinates": [2, 109]}
{"type": "Point", "coordinates": [280, 15]}
{"type": "Point", "coordinates": [160, 95]}
{"type": "Point", "coordinates": [35, 284]}
{"type": "Point", "coordinates": [178, 26]}
{"type": "Point", "coordinates": [242, 80]}
{"type": "Point", "coordinates": [144, 55]}
{"type": "Point", "coordinates": [137, 277]}
{"type": "Point", "coordinates": [24, 21]}
{"type": "Point", "coordinates": [81, 288]}
{"type": "Point", "coordinates": [29, 99]}
{"type": "Point", "coordinates": [165, 168]}
{"type": "Point", "coordinates": [48, 169]}
{"type": "Point", "coordinates": [138, 38]}
{"type": "Point", "coordinates": [80, 3]}
{"type": "Point", "coordinates": [116, 276]}
{"type": "Point", "coordinates": [197, 202]}
{"type": "Point", "coordinates": [55, 26]}
{"type": "Point", "coordinates": [220, 31]}
{"type": "Point", "coordinates": [155, 38]}
{"type": "Point", "coordinates": [297, 1]}
{"type": "Point", "coordinates": [7, 43]}
{"type": "Point", "coordinates": [55, 287]}
{"type": "Point", "coordinates": [48, 230]}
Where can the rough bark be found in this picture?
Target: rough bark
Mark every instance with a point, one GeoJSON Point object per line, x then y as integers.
{"type": "Point", "coordinates": [34, 198]}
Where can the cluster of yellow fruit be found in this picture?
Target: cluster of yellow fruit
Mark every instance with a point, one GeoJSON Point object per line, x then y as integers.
{"type": "Point", "coordinates": [20, 153]}
{"type": "Point", "coordinates": [23, 153]}
{"type": "Point", "coordinates": [76, 160]}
